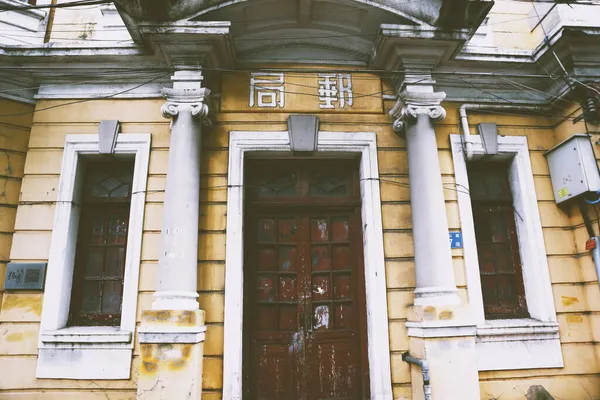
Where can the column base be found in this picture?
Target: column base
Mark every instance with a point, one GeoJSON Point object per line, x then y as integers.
{"type": "Point", "coordinates": [444, 336]}
{"type": "Point", "coordinates": [436, 296]}
{"type": "Point", "coordinates": [171, 354]}
{"type": "Point", "coordinates": [175, 300]}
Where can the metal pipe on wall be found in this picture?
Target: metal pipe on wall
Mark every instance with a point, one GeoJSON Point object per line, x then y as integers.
{"type": "Point", "coordinates": [464, 121]}
{"type": "Point", "coordinates": [406, 357]}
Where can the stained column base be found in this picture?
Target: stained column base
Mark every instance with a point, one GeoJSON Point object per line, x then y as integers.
{"type": "Point", "coordinates": [171, 354]}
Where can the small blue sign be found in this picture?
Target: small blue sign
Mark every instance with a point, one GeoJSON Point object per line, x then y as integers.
{"type": "Point", "coordinates": [456, 241]}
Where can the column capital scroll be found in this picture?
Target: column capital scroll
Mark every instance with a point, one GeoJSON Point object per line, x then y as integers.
{"type": "Point", "coordinates": [179, 100]}
{"type": "Point", "coordinates": [412, 104]}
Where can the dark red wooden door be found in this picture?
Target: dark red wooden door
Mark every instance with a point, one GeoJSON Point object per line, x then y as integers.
{"type": "Point", "coordinates": [304, 301]}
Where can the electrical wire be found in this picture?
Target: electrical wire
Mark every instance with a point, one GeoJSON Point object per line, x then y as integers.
{"type": "Point", "coordinates": [85, 100]}
{"type": "Point", "coordinates": [59, 5]}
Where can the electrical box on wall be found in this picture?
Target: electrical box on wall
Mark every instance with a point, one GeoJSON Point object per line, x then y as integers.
{"type": "Point", "coordinates": [573, 168]}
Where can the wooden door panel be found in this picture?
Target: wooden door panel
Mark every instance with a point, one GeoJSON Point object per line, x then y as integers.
{"type": "Point", "coordinates": [273, 371]}
{"type": "Point", "coordinates": [334, 369]}
{"type": "Point", "coordinates": [305, 326]}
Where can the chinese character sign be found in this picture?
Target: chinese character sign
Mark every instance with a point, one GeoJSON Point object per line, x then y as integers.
{"type": "Point", "coordinates": [268, 88]}
{"type": "Point", "coordinates": [327, 90]}
{"type": "Point", "coordinates": [335, 88]}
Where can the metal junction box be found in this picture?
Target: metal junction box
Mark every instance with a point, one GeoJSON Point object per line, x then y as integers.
{"type": "Point", "coordinates": [573, 168]}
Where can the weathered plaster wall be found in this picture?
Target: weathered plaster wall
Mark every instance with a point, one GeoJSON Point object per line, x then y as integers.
{"type": "Point", "coordinates": [14, 136]}
{"type": "Point", "coordinates": [574, 281]}
{"type": "Point", "coordinates": [33, 229]}
{"type": "Point", "coordinates": [576, 293]}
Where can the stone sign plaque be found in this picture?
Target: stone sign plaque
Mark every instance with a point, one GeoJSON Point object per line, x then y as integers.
{"type": "Point", "coordinates": [25, 276]}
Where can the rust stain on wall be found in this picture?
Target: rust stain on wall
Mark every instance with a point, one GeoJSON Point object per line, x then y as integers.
{"type": "Point", "coordinates": [30, 304]}
{"type": "Point", "coordinates": [446, 314]}
{"type": "Point", "coordinates": [574, 319]}
{"type": "Point", "coordinates": [429, 313]}
{"type": "Point", "coordinates": [568, 301]}
{"type": "Point", "coordinates": [180, 318]}
{"type": "Point", "coordinates": [172, 356]}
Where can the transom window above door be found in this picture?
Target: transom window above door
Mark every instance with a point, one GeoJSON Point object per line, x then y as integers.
{"type": "Point", "coordinates": [321, 179]}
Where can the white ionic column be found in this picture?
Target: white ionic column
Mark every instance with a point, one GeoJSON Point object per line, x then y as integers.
{"type": "Point", "coordinates": [178, 262]}
{"type": "Point", "coordinates": [415, 114]}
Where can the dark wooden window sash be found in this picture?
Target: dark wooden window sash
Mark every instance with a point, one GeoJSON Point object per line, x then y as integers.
{"type": "Point", "coordinates": [91, 208]}
{"type": "Point", "coordinates": [483, 209]}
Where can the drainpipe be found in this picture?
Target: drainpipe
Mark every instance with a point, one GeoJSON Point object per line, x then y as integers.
{"type": "Point", "coordinates": [465, 122]}
{"type": "Point", "coordinates": [596, 256]}
{"type": "Point", "coordinates": [406, 357]}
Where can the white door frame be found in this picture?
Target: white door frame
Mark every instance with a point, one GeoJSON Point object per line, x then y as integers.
{"type": "Point", "coordinates": [330, 144]}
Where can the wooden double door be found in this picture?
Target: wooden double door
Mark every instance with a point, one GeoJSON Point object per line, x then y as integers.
{"type": "Point", "coordinates": [305, 319]}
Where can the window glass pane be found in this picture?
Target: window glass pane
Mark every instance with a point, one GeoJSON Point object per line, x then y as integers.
{"type": "Point", "coordinates": [497, 242]}
{"type": "Point", "coordinates": [489, 181]}
{"type": "Point", "coordinates": [97, 234]}
{"type": "Point", "coordinates": [90, 299]}
{"type": "Point", "coordinates": [94, 263]}
{"type": "Point", "coordinates": [117, 229]}
{"type": "Point", "coordinates": [274, 184]}
{"type": "Point", "coordinates": [115, 262]}
{"type": "Point", "coordinates": [108, 181]}
{"type": "Point", "coordinates": [100, 260]}
{"type": "Point", "coordinates": [111, 297]}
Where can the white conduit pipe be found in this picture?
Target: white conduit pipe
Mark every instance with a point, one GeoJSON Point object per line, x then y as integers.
{"type": "Point", "coordinates": [464, 122]}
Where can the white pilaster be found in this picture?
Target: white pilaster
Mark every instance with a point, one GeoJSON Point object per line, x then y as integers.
{"type": "Point", "coordinates": [415, 114]}
{"type": "Point", "coordinates": [177, 271]}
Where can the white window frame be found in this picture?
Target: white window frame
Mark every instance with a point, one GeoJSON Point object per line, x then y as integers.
{"type": "Point", "coordinates": [93, 352]}
{"type": "Point", "coordinates": [330, 144]}
{"type": "Point", "coordinates": [520, 343]}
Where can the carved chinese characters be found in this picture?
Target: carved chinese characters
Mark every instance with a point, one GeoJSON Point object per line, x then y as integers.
{"type": "Point", "coordinates": [287, 91]}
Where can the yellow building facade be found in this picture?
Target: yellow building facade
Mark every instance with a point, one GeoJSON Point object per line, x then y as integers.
{"type": "Point", "coordinates": [422, 298]}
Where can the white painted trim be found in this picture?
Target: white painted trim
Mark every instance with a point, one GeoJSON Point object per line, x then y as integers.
{"type": "Point", "coordinates": [540, 333]}
{"type": "Point", "coordinates": [54, 331]}
{"type": "Point", "coordinates": [330, 144]}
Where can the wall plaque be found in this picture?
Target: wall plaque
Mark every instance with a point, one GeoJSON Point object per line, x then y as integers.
{"type": "Point", "coordinates": [25, 276]}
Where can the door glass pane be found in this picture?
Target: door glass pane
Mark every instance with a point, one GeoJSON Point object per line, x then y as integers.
{"type": "Point", "coordinates": [341, 257]}
{"type": "Point", "coordinates": [287, 230]}
{"type": "Point", "coordinates": [266, 258]}
{"type": "Point", "coordinates": [287, 258]}
{"type": "Point", "coordinates": [320, 259]}
{"type": "Point", "coordinates": [321, 287]}
{"type": "Point", "coordinates": [266, 230]}
{"type": "Point", "coordinates": [342, 286]}
{"type": "Point", "coordinates": [287, 288]}
{"type": "Point", "coordinates": [339, 229]}
{"type": "Point", "coordinates": [321, 317]}
{"type": "Point", "coordinates": [343, 316]}
{"type": "Point", "coordinates": [265, 288]}
{"type": "Point", "coordinates": [319, 230]}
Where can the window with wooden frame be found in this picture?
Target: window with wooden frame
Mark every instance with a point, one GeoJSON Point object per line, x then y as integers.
{"type": "Point", "coordinates": [497, 242]}
{"type": "Point", "coordinates": [97, 294]}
